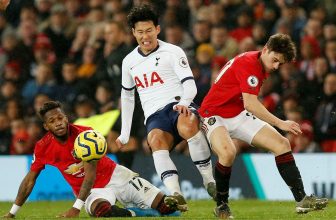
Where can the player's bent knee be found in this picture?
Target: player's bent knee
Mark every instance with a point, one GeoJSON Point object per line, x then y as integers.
{"type": "Point", "coordinates": [188, 130]}
{"type": "Point", "coordinates": [227, 154]}
{"type": "Point", "coordinates": [160, 140]}
{"type": "Point", "coordinates": [284, 146]}
{"type": "Point", "coordinates": [103, 208]}
{"type": "Point", "coordinates": [158, 144]}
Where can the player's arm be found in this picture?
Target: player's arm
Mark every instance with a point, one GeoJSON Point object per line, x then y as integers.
{"type": "Point", "coordinates": [24, 191]}
{"type": "Point", "coordinates": [253, 105]}
{"type": "Point", "coordinates": [90, 169]}
{"type": "Point", "coordinates": [127, 105]}
{"type": "Point", "coordinates": [189, 93]}
{"type": "Point", "coordinates": [127, 109]}
{"type": "Point", "coordinates": [184, 73]}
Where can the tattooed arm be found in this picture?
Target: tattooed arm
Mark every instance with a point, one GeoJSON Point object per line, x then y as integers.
{"type": "Point", "coordinates": [90, 169]}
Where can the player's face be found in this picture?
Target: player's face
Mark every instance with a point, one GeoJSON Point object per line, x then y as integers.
{"type": "Point", "coordinates": [271, 60]}
{"type": "Point", "coordinates": [56, 122]}
{"type": "Point", "coordinates": [146, 34]}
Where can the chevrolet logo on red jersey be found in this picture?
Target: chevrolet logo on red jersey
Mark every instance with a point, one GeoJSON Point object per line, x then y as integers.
{"type": "Point", "coordinates": [74, 169]}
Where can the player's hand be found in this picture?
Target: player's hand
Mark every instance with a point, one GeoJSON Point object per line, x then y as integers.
{"type": "Point", "coordinates": [8, 215]}
{"type": "Point", "coordinates": [4, 4]}
{"type": "Point", "coordinates": [73, 212]}
{"type": "Point", "coordinates": [290, 126]}
{"type": "Point", "coordinates": [119, 144]}
{"type": "Point", "coordinates": [182, 110]}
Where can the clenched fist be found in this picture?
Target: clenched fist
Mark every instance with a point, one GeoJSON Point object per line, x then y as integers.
{"type": "Point", "coordinates": [4, 4]}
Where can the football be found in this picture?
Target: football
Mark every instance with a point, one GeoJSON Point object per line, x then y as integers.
{"type": "Point", "coordinates": [90, 145]}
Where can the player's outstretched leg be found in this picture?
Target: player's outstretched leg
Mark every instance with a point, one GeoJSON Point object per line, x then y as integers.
{"type": "Point", "coordinates": [161, 209]}
{"type": "Point", "coordinates": [166, 169]}
{"type": "Point", "coordinates": [222, 176]}
{"type": "Point", "coordinates": [104, 209]}
{"type": "Point", "coordinates": [201, 156]}
{"type": "Point", "coordinates": [291, 175]}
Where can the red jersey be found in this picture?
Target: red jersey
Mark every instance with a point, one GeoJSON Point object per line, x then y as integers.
{"type": "Point", "coordinates": [50, 151]}
{"type": "Point", "coordinates": [242, 74]}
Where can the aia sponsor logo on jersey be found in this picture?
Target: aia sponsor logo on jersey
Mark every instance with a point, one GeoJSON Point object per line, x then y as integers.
{"type": "Point", "coordinates": [147, 80]}
{"type": "Point", "coordinates": [252, 81]}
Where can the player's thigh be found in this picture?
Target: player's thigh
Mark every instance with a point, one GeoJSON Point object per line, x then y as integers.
{"type": "Point", "coordinates": [187, 126]}
{"type": "Point", "coordinates": [222, 145]}
{"type": "Point", "coordinates": [137, 192]}
{"type": "Point", "coordinates": [160, 131]}
{"type": "Point", "coordinates": [270, 139]}
{"type": "Point", "coordinates": [99, 193]}
{"type": "Point", "coordinates": [215, 129]}
{"type": "Point", "coordinates": [160, 140]}
{"type": "Point", "coordinates": [247, 126]}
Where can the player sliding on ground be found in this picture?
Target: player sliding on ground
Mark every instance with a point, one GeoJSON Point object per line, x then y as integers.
{"type": "Point", "coordinates": [97, 184]}
{"type": "Point", "coordinates": [231, 109]}
{"type": "Point", "coordinates": [161, 74]}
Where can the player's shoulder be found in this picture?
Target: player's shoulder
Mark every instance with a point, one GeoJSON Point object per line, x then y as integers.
{"type": "Point", "coordinates": [131, 56]}
{"type": "Point", "coordinates": [76, 129]}
{"type": "Point", "coordinates": [44, 141]}
{"type": "Point", "coordinates": [168, 47]}
{"type": "Point", "coordinates": [248, 57]}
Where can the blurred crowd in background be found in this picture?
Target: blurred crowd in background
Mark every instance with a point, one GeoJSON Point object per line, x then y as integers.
{"type": "Point", "coordinates": [72, 51]}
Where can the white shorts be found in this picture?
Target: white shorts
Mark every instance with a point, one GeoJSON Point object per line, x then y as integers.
{"type": "Point", "coordinates": [126, 187]}
{"type": "Point", "coordinates": [243, 126]}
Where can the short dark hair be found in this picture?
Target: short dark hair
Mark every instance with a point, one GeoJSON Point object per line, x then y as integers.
{"type": "Point", "coordinates": [47, 106]}
{"type": "Point", "coordinates": [282, 43]}
{"type": "Point", "coordinates": [142, 13]}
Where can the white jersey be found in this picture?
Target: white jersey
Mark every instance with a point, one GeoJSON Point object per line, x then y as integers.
{"type": "Point", "coordinates": [157, 76]}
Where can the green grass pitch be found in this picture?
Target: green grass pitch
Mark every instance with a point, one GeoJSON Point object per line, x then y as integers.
{"type": "Point", "coordinates": [242, 209]}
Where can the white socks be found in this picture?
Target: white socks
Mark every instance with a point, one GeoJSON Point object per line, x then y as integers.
{"type": "Point", "coordinates": [166, 170]}
{"type": "Point", "coordinates": [201, 156]}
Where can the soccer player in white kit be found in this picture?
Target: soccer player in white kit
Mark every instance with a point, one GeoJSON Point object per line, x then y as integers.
{"type": "Point", "coordinates": [161, 74]}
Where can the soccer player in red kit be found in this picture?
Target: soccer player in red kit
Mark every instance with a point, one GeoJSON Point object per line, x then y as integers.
{"type": "Point", "coordinates": [99, 183]}
{"type": "Point", "coordinates": [231, 109]}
